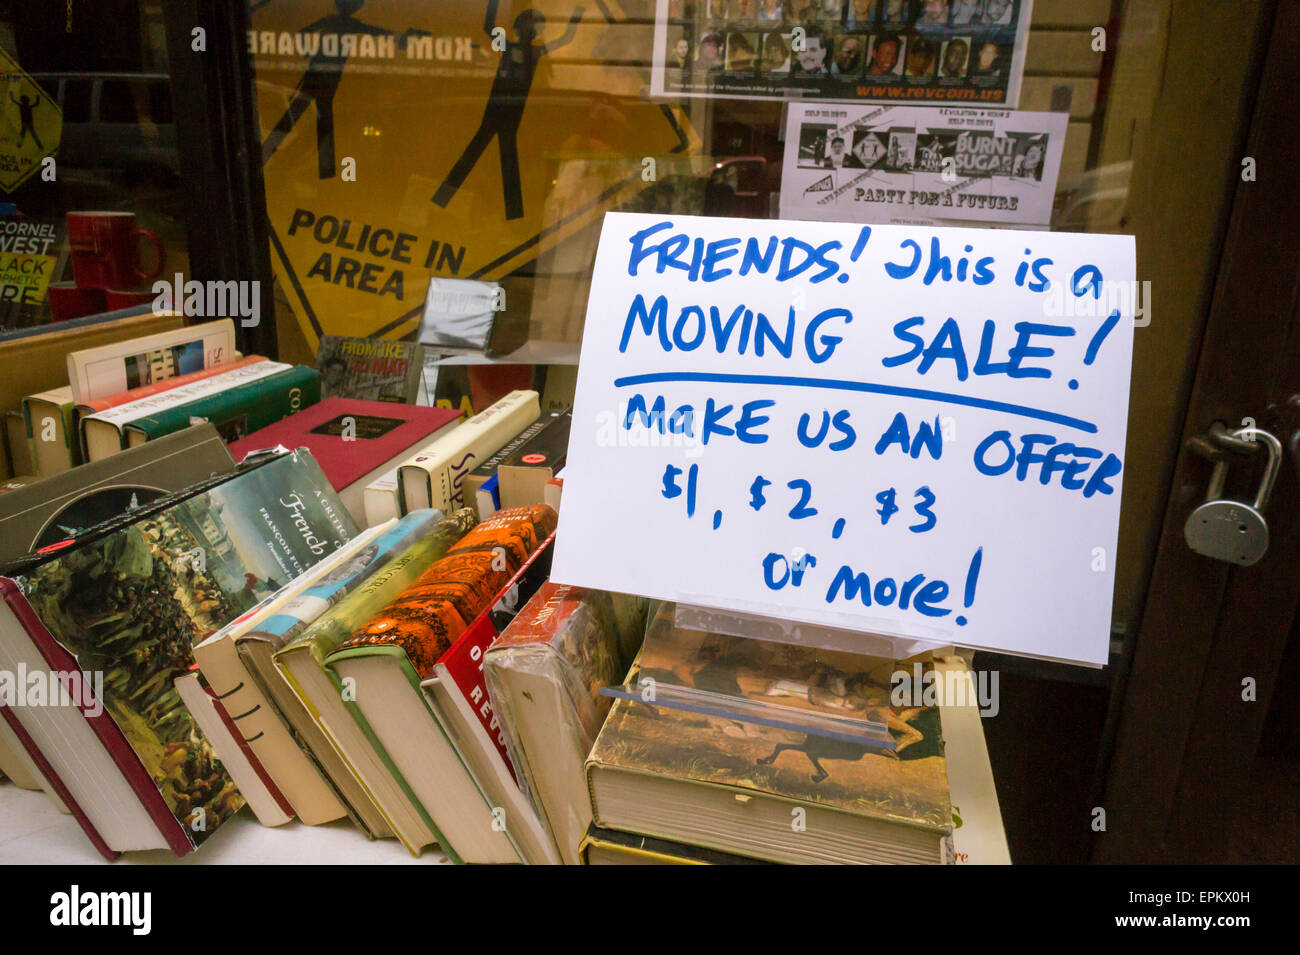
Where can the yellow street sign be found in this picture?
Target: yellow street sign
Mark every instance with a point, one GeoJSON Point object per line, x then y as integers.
{"type": "Point", "coordinates": [31, 124]}
{"type": "Point", "coordinates": [404, 140]}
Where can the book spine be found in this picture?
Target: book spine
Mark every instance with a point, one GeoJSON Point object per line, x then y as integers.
{"type": "Point", "coordinates": [60, 661]}
{"type": "Point", "coordinates": [260, 403]}
{"type": "Point", "coordinates": [489, 466]}
{"type": "Point", "coordinates": [463, 664]}
{"type": "Point", "coordinates": [121, 415]}
{"type": "Point", "coordinates": [96, 405]}
{"type": "Point", "coordinates": [441, 466]}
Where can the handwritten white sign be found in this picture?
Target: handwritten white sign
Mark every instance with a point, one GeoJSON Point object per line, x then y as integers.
{"type": "Point", "coordinates": [912, 431]}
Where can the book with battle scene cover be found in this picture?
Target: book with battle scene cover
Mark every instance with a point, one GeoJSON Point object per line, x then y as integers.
{"type": "Point", "coordinates": [130, 598]}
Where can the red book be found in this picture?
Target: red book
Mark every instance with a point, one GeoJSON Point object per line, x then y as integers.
{"type": "Point", "coordinates": [458, 694]}
{"type": "Point", "coordinates": [355, 442]}
{"type": "Point", "coordinates": [109, 734]}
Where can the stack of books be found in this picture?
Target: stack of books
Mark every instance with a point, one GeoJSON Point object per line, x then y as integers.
{"type": "Point", "coordinates": [772, 752]}
{"type": "Point", "coordinates": [346, 615]}
{"type": "Point", "coordinates": [127, 392]}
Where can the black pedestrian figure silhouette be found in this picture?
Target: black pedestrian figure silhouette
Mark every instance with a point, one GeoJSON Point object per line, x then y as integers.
{"type": "Point", "coordinates": [505, 105]}
{"type": "Point", "coordinates": [321, 81]}
{"type": "Point", "coordinates": [26, 104]}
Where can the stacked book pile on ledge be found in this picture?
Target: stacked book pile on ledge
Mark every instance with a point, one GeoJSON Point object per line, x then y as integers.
{"type": "Point", "coordinates": [340, 609]}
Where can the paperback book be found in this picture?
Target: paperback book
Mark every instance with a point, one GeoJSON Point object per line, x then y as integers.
{"type": "Point", "coordinates": [369, 369]}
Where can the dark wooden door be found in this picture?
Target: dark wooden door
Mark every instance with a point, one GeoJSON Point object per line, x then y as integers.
{"type": "Point", "coordinates": [1188, 730]}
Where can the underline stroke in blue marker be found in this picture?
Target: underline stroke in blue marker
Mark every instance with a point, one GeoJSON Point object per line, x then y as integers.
{"type": "Point", "coordinates": [794, 381]}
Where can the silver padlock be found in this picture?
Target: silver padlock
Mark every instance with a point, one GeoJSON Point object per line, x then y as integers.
{"type": "Point", "coordinates": [1234, 530]}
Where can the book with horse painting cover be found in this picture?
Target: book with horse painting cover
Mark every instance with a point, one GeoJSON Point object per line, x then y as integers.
{"type": "Point", "coordinates": [770, 788]}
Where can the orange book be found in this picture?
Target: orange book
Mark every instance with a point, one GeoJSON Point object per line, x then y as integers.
{"type": "Point", "coordinates": [428, 616]}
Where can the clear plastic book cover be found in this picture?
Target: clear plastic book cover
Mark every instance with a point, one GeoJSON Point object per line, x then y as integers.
{"type": "Point", "coordinates": [809, 689]}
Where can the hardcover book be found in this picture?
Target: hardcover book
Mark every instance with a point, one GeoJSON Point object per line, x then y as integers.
{"type": "Point", "coordinates": [526, 471]}
{"type": "Point", "coordinates": [369, 369]}
{"type": "Point", "coordinates": [236, 411]}
{"type": "Point", "coordinates": [49, 419]}
{"type": "Point", "coordinates": [355, 442]}
{"type": "Point", "coordinates": [109, 369]}
{"type": "Point", "coordinates": [124, 604]}
{"type": "Point", "coordinates": [304, 782]}
{"type": "Point", "coordinates": [106, 432]}
{"type": "Point", "coordinates": [457, 694]}
{"type": "Point", "coordinates": [544, 675]}
{"type": "Point", "coordinates": [390, 654]}
{"type": "Point", "coordinates": [611, 847]}
{"type": "Point", "coordinates": [733, 784]}
{"type": "Point", "coordinates": [56, 508]}
{"type": "Point", "coordinates": [35, 359]}
{"type": "Point", "coordinates": [18, 457]}
{"type": "Point", "coordinates": [257, 644]}
{"type": "Point", "coordinates": [255, 785]}
{"type": "Point", "coordinates": [380, 498]}
{"type": "Point", "coordinates": [96, 405]}
{"type": "Point", "coordinates": [301, 661]}
{"type": "Point", "coordinates": [433, 476]}
{"type": "Point", "coordinates": [487, 469]}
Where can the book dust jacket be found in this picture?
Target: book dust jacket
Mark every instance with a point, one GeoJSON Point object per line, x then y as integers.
{"type": "Point", "coordinates": [131, 604]}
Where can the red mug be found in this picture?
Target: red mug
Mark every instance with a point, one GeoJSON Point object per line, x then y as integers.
{"type": "Point", "coordinates": [105, 253]}
{"type": "Point", "coordinates": [68, 301]}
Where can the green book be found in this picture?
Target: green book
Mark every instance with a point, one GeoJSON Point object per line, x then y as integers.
{"type": "Point", "coordinates": [49, 420]}
{"type": "Point", "coordinates": [237, 411]}
{"type": "Point", "coordinates": [330, 700]}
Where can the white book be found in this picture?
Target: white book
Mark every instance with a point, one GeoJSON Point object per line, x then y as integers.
{"type": "Point", "coordinates": [432, 477]}
{"type": "Point", "coordinates": [120, 366]}
{"type": "Point", "coordinates": [16, 763]}
{"type": "Point", "coordinates": [104, 432]}
{"type": "Point", "coordinates": [298, 776]}
{"type": "Point", "coordinates": [483, 761]}
{"type": "Point", "coordinates": [255, 792]}
{"type": "Point", "coordinates": [380, 499]}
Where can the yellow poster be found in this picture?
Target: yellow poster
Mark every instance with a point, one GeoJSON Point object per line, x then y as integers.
{"type": "Point", "coordinates": [29, 253]}
{"type": "Point", "coordinates": [31, 124]}
{"type": "Point", "coordinates": [403, 139]}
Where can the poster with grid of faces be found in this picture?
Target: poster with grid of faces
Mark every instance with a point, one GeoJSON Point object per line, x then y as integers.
{"type": "Point", "coordinates": [915, 51]}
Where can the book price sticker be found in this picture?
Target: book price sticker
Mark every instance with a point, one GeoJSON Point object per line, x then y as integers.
{"type": "Point", "coordinates": [911, 431]}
